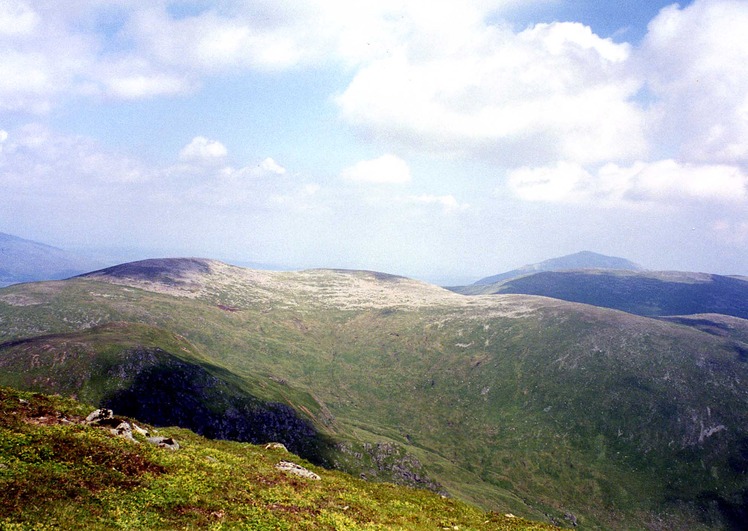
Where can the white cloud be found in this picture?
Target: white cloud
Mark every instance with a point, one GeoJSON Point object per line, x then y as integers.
{"type": "Point", "coordinates": [16, 18]}
{"type": "Point", "coordinates": [554, 91]}
{"type": "Point", "coordinates": [37, 160]}
{"type": "Point", "coordinates": [444, 77]}
{"type": "Point", "coordinates": [270, 166]}
{"type": "Point", "coordinates": [137, 87]}
{"type": "Point", "coordinates": [563, 182]}
{"type": "Point", "coordinates": [696, 62]}
{"type": "Point", "coordinates": [665, 181]}
{"type": "Point", "coordinates": [387, 169]}
{"type": "Point", "coordinates": [203, 149]}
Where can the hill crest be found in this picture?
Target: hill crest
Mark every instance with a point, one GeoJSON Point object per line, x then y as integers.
{"type": "Point", "coordinates": [580, 260]}
{"type": "Point", "coordinates": [237, 287]}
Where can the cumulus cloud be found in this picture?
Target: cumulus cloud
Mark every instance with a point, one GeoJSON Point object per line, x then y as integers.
{"type": "Point", "coordinates": [203, 149]}
{"type": "Point", "coordinates": [16, 18]}
{"type": "Point", "coordinates": [387, 169]}
{"type": "Point", "coordinates": [694, 65]}
{"type": "Point", "coordinates": [270, 166]}
{"type": "Point", "coordinates": [695, 60]}
{"type": "Point", "coordinates": [664, 181]}
{"type": "Point", "coordinates": [552, 91]}
{"type": "Point", "coordinates": [442, 77]}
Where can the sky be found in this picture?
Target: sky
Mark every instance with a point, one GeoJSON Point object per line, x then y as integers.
{"type": "Point", "coordinates": [440, 140]}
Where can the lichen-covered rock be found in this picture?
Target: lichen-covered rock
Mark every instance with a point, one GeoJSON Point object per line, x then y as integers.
{"type": "Point", "coordinates": [140, 431]}
{"type": "Point", "coordinates": [124, 430]}
{"type": "Point", "coordinates": [164, 442]}
{"type": "Point", "coordinates": [99, 415]}
{"type": "Point", "coordinates": [298, 470]}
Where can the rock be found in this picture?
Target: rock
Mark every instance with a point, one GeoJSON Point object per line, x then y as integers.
{"type": "Point", "coordinates": [164, 442]}
{"type": "Point", "coordinates": [123, 430]}
{"type": "Point", "coordinates": [276, 446]}
{"type": "Point", "coordinates": [298, 470]}
{"type": "Point", "coordinates": [99, 415]}
{"type": "Point", "coordinates": [140, 431]}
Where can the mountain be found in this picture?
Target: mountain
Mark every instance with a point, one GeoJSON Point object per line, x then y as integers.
{"type": "Point", "coordinates": [27, 261]}
{"type": "Point", "coordinates": [580, 260]}
{"type": "Point", "coordinates": [60, 472]}
{"type": "Point", "coordinates": [649, 293]}
{"type": "Point", "coordinates": [539, 407]}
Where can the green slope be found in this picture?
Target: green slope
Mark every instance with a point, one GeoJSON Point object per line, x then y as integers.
{"type": "Point", "coordinates": [536, 406]}
{"type": "Point", "coordinates": [58, 473]}
{"type": "Point", "coordinates": [160, 378]}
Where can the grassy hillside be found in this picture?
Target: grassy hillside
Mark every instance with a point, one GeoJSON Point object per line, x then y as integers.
{"type": "Point", "coordinates": [647, 293]}
{"type": "Point", "coordinates": [535, 406]}
{"type": "Point", "coordinates": [56, 472]}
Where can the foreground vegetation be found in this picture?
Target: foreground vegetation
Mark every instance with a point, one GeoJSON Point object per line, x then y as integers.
{"type": "Point", "coordinates": [56, 472]}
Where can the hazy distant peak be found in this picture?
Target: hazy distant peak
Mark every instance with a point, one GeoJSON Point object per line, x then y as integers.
{"type": "Point", "coordinates": [580, 260]}
{"type": "Point", "coordinates": [587, 260]}
{"type": "Point", "coordinates": [24, 260]}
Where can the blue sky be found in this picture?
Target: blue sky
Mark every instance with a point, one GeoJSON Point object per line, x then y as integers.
{"type": "Point", "coordinates": [440, 140]}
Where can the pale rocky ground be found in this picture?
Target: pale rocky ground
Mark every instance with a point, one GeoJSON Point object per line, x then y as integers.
{"type": "Point", "coordinates": [238, 287]}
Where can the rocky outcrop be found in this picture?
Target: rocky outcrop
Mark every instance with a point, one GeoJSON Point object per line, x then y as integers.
{"type": "Point", "coordinates": [164, 442]}
{"type": "Point", "coordinates": [297, 470]}
{"type": "Point", "coordinates": [98, 416]}
{"type": "Point", "coordinates": [385, 462]}
{"type": "Point", "coordinates": [122, 428]}
{"type": "Point", "coordinates": [163, 390]}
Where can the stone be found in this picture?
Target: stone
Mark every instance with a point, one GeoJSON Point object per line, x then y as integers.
{"type": "Point", "coordinates": [164, 442]}
{"type": "Point", "coordinates": [99, 415]}
{"type": "Point", "coordinates": [124, 430]}
{"type": "Point", "coordinates": [140, 431]}
{"type": "Point", "coordinates": [298, 470]}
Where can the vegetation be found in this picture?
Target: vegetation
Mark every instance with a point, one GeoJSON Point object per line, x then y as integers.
{"type": "Point", "coordinates": [56, 472]}
{"type": "Point", "coordinates": [545, 409]}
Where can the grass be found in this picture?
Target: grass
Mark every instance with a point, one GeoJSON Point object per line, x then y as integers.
{"type": "Point", "coordinates": [58, 473]}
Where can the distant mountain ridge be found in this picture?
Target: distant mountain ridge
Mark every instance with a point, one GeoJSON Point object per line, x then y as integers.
{"type": "Point", "coordinates": [580, 260]}
{"type": "Point", "coordinates": [646, 293]}
{"type": "Point", "coordinates": [24, 260]}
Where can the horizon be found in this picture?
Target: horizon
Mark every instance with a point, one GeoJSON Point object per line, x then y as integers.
{"type": "Point", "coordinates": [106, 260]}
{"type": "Point", "coordinates": [428, 140]}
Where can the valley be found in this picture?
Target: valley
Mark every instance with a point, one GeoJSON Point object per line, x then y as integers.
{"type": "Point", "coordinates": [552, 410]}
